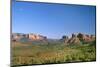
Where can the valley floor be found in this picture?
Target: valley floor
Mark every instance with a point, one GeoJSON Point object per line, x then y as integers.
{"type": "Point", "coordinates": [32, 54]}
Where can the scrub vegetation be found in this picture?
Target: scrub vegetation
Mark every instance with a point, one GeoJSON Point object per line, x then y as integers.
{"type": "Point", "coordinates": [32, 54]}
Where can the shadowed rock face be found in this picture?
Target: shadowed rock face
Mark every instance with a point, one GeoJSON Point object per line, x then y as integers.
{"type": "Point", "coordinates": [80, 38]}
{"type": "Point", "coordinates": [65, 39]}
{"type": "Point", "coordinates": [17, 36]}
{"type": "Point", "coordinates": [74, 39]}
{"type": "Point", "coordinates": [93, 37]}
{"type": "Point", "coordinates": [85, 37]}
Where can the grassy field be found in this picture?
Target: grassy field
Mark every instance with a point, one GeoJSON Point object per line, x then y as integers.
{"type": "Point", "coordinates": [27, 53]}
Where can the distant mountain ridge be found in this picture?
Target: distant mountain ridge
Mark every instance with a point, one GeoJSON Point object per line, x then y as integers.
{"type": "Point", "coordinates": [36, 38]}
{"type": "Point", "coordinates": [78, 38]}
{"type": "Point", "coordinates": [31, 36]}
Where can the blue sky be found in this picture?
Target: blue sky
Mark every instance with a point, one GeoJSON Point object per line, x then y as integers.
{"type": "Point", "coordinates": [52, 20]}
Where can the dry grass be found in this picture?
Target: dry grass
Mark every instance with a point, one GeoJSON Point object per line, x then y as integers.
{"type": "Point", "coordinates": [26, 54]}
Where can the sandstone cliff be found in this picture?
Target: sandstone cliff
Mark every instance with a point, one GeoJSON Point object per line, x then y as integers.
{"type": "Point", "coordinates": [74, 39]}
{"type": "Point", "coordinates": [32, 37]}
{"type": "Point", "coordinates": [79, 39]}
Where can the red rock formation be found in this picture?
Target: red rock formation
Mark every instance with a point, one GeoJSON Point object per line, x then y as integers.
{"type": "Point", "coordinates": [85, 37]}
{"type": "Point", "coordinates": [65, 39]}
{"type": "Point", "coordinates": [74, 40]}
{"type": "Point", "coordinates": [36, 37]}
{"type": "Point", "coordinates": [78, 39]}
{"type": "Point", "coordinates": [32, 37]}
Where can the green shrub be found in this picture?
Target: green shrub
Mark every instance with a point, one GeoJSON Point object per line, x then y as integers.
{"type": "Point", "coordinates": [52, 53]}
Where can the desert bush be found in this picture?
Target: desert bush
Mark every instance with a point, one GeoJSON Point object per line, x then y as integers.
{"type": "Point", "coordinates": [52, 53]}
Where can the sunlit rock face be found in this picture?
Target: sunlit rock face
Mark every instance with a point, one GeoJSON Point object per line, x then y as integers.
{"type": "Point", "coordinates": [78, 38]}
{"type": "Point", "coordinates": [36, 37]}
{"type": "Point", "coordinates": [17, 36]}
{"type": "Point", "coordinates": [64, 39]}
{"type": "Point", "coordinates": [74, 39]}
{"type": "Point", "coordinates": [32, 36]}
{"type": "Point", "coordinates": [29, 37]}
{"type": "Point", "coordinates": [86, 37]}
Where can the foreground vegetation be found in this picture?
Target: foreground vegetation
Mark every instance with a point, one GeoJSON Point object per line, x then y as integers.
{"type": "Point", "coordinates": [27, 53]}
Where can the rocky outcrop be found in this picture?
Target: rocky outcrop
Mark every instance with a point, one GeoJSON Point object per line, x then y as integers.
{"type": "Point", "coordinates": [65, 39]}
{"type": "Point", "coordinates": [93, 37]}
{"type": "Point", "coordinates": [79, 39]}
{"type": "Point", "coordinates": [86, 38]}
{"type": "Point", "coordinates": [17, 36]}
{"type": "Point", "coordinates": [36, 37]}
{"type": "Point", "coordinates": [31, 37]}
{"type": "Point", "coordinates": [74, 40]}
